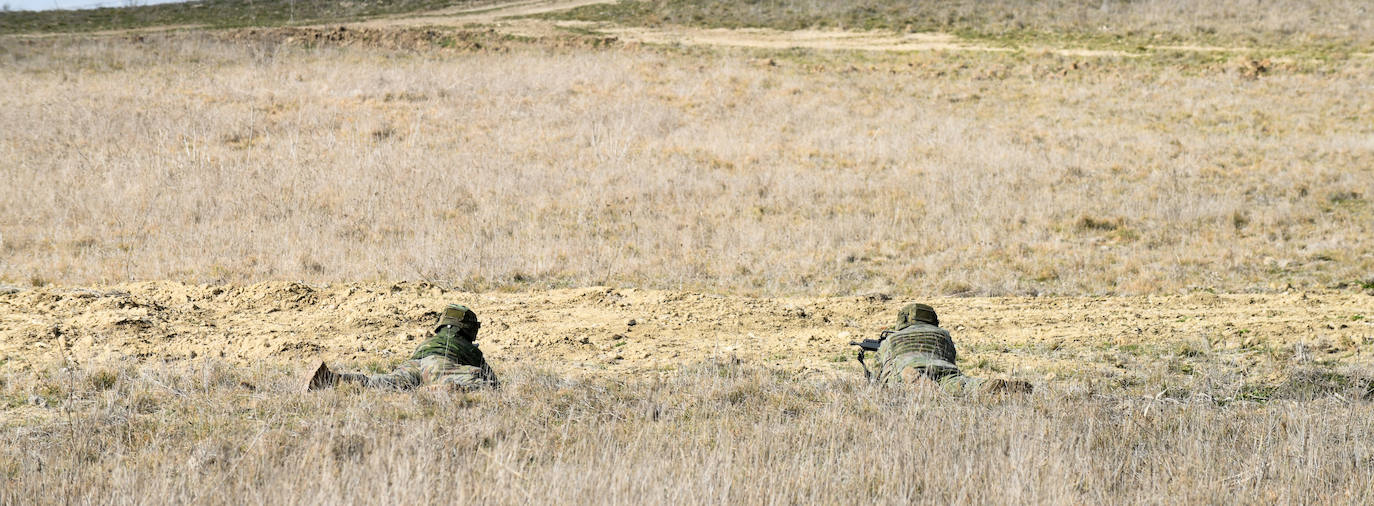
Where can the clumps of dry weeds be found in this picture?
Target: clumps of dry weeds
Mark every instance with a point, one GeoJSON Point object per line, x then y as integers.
{"type": "Point", "coordinates": [413, 39]}
{"type": "Point", "coordinates": [710, 432]}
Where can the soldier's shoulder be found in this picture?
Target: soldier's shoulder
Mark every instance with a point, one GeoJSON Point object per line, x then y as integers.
{"type": "Point", "coordinates": [465, 345]}
{"type": "Point", "coordinates": [921, 328]}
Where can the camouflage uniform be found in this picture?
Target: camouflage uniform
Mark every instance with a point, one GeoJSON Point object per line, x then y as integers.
{"type": "Point", "coordinates": [449, 358]}
{"type": "Point", "coordinates": [918, 348]}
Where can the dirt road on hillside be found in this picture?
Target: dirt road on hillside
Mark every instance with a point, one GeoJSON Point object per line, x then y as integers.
{"type": "Point", "coordinates": [606, 331]}
{"type": "Point", "coordinates": [825, 40]}
{"type": "Point", "coordinates": [510, 18]}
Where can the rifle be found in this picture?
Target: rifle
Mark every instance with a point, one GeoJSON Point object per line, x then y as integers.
{"type": "Point", "coordinates": [866, 346]}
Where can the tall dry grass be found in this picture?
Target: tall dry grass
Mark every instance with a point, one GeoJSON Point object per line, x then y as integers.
{"type": "Point", "coordinates": [191, 158]}
{"type": "Point", "coordinates": [716, 432]}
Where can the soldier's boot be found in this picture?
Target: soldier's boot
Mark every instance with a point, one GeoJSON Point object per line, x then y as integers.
{"type": "Point", "coordinates": [323, 378]}
{"type": "Point", "coordinates": [1001, 386]}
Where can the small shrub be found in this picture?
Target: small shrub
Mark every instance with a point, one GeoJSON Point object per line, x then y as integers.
{"type": "Point", "coordinates": [104, 379]}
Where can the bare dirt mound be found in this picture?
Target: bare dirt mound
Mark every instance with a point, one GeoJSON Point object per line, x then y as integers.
{"type": "Point", "coordinates": [603, 330]}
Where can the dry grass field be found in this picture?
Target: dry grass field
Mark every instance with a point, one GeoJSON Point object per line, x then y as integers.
{"type": "Point", "coordinates": [710, 434]}
{"type": "Point", "coordinates": [196, 159]}
{"type": "Point", "coordinates": [670, 246]}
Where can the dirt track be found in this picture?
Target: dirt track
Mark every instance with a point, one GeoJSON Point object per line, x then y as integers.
{"type": "Point", "coordinates": [612, 331]}
{"type": "Point", "coordinates": [510, 18]}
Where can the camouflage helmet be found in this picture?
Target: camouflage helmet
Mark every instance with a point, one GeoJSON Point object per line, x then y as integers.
{"type": "Point", "coordinates": [460, 317]}
{"type": "Point", "coordinates": [916, 313]}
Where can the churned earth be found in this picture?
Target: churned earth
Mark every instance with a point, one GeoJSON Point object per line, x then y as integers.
{"type": "Point", "coordinates": [1228, 344]}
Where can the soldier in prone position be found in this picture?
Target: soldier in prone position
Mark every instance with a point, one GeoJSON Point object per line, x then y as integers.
{"type": "Point", "coordinates": [448, 359]}
{"type": "Point", "coordinates": [917, 349]}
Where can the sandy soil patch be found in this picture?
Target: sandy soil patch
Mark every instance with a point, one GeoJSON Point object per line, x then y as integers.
{"type": "Point", "coordinates": [609, 331]}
